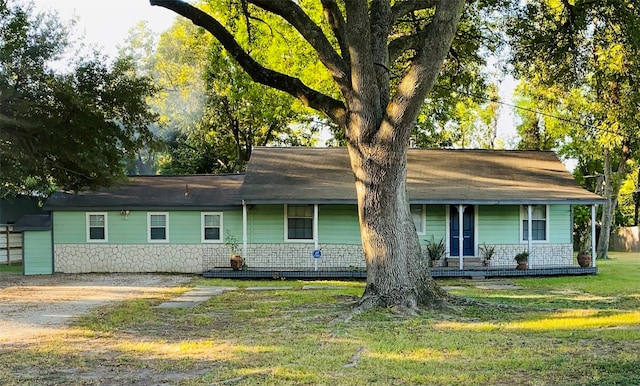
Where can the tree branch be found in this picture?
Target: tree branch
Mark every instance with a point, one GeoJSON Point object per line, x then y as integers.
{"type": "Point", "coordinates": [312, 33]}
{"type": "Point", "coordinates": [333, 108]}
{"type": "Point", "coordinates": [402, 8]}
{"type": "Point", "coordinates": [334, 18]}
{"type": "Point", "coordinates": [426, 65]}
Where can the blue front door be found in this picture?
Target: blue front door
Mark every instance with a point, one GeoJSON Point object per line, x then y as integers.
{"type": "Point", "coordinates": [467, 233]}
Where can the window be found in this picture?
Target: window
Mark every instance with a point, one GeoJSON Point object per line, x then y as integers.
{"type": "Point", "coordinates": [158, 227]}
{"type": "Point", "coordinates": [96, 227]}
{"type": "Point", "coordinates": [211, 227]}
{"type": "Point", "coordinates": [299, 222]}
{"type": "Point", "coordinates": [417, 213]}
{"type": "Point", "coordinates": [538, 223]}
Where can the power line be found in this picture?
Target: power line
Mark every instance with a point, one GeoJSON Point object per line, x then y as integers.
{"type": "Point", "coordinates": [482, 97]}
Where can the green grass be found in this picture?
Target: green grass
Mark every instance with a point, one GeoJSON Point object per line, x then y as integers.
{"type": "Point", "coordinates": [13, 268]}
{"type": "Point", "coordinates": [565, 330]}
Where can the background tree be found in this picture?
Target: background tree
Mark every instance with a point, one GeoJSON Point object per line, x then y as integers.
{"type": "Point", "coordinates": [212, 114]}
{"type": "Point", "coordinates": [70, 130]}
{"type": "Point", "coordinates": [382, 60]}
{"type": "Point", "coordinates": [590, 53]}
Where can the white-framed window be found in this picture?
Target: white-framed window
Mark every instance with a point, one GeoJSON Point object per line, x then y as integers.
{"type": "Point", "coordinates": [97, 227]}
{"type": "Point", "coordinates": [418, 212]}
{"type": "Point", "coordinates": [539, 223]}
{"type": "Point", "coordinates": [211, 224]}
{"type": "Point", "coordinates": [157, 227]}
{"type": "Point", "coordinates": [298, 222]}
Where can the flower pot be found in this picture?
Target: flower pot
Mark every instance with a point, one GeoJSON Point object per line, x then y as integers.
{"type": "Point", "coordinates": [584, 260]}
{"type": "Point", "coordinates": [236, 262]}
{"type": "Point", "coordinates": [522, 266]}
{"type": "Point", "coordinates": [442, 262]}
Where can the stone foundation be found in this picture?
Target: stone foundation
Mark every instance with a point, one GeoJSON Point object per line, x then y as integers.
{"type": "Point", "coordinates": [196, 258]}
{"type": "Point", "coordinates": [542, 255]}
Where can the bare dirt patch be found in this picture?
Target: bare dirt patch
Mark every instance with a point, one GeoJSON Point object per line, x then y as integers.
{"type": "Point", "coordinates": [32, 306]}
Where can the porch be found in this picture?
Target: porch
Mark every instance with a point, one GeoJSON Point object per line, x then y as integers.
{"type": "Point", "coordinates": [436, 272]}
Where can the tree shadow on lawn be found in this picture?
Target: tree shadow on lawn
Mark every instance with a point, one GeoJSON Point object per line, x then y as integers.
{"type": "Point", "coordinates": [286, 337]}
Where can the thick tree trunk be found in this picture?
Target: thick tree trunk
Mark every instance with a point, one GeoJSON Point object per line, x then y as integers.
{"type": "Point", "coordinates": [397, 273]}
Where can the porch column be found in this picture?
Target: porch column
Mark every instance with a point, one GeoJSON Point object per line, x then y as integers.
{"type": "Point", "coordinates": [315, 234]}
{"type": "Point", "coordinates": [460, 235]}
{"type": "Point", "coordinates": [244, 229]}
{"type": "Point", "coordinates": [594, 208]}
{"type": "Point", "coordinates": [529, 232]}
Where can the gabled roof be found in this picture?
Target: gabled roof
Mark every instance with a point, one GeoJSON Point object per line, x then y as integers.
{"type": "Point", "coordinates": [195, 192]}
{"type": "Point", "coordinates": [323, 175]}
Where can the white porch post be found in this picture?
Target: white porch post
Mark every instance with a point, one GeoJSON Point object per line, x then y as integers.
{"type": "Point", "coordinates": [593, 234]}
{"type": "Point", "coordinates": [460, 235]}
{"type": "Point", "coordinates": [529, 232]}
{"type": "Point", "coordinates": [244, 229]}
{"type": "Point", "coordinates": [315, 234]}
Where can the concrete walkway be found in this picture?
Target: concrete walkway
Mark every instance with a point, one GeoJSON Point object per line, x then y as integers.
{"type": "Point", "coordinates": [201, 294]}
{"type": "Point", "coordinates": [195, 297]}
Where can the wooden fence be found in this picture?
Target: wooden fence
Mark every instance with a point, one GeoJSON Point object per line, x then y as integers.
{"type": "Point", "coordinates": [10, 245]}
{"type": "Point", "coordinates": [625, 239]}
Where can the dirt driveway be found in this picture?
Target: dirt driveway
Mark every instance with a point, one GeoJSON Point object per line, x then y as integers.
{"type": "Point", "coordinates": [31, 306]}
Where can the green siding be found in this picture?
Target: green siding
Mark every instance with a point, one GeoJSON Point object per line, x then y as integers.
{"type": "Point", "coordinates": [37, 252]}
{"type": "Point", "coordinates": [498, 224]}
{"type": "Point", "coordinates": [184, 227]}
{"type": "Point", "coordinates": [69, 228]}
{"type": "Point", "coordinates": [560, 227]}
{"type": "Point", "coordinates": [338, 224]}
{"type": "Point", "coordinates": [436, 224]}
{"type": "Point", "coordinates": [265, 224]}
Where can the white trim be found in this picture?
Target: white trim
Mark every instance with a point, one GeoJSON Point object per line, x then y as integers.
{"type": "Point", "coordinates": [423, 218]}
{"type": "Point", "coordinates": [447, 229]}
{"type": "Point", "coordinates": [523, 218]}
{"type": "Point", "coordinates": [244, 229]}
{"type": "Point", "coordinates": [202, 228]}
{"type": "Point", "coordinates": [88, 226]}
{"type": "Point", "coordinates": [314, 222]}
{"type": "Point", "coordinates": [166, 226]}
{"type": "Point", "coordinates": [594, 209]}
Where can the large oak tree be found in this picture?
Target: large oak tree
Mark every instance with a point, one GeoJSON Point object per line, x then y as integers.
{"type": "Point", "coordinates": [383, 58]}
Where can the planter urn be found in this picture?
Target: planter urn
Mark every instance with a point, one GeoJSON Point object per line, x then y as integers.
{"type": "Point", "coordinates": [584, 260]}
{"type": "Point", "coordinates": [236, 262]}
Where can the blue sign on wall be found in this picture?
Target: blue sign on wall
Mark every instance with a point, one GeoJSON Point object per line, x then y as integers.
{"type": "Point", "coordinates": [317, 254]}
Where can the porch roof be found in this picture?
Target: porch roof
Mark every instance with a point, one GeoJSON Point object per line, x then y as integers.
{"type": "Point", "coordinates": [442, 176]}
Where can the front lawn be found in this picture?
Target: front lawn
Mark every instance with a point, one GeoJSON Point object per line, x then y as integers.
{"type": "Point", "coordinates": [549, 331]}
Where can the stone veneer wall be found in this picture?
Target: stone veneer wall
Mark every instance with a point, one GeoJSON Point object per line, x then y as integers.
{"type": "Point", "coordinates": [542, 255]}
{"type": "Point", "coordinates": [196, 258]}
{"type": "Point", "coordinates": [83, 258]}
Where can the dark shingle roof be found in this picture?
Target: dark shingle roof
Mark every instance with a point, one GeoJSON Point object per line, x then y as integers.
{"type": "Point", "coordinates": [157, 193]}
{"type": "Point", "coordinates": [323, 175]}
{"type": "Point", "coordinates": [33, 222]}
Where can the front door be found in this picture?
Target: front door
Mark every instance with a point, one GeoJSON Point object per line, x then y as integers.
{"type": "Point", "coordinates": [467, 233]}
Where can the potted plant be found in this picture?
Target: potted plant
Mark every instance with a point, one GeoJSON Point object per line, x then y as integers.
{"type": "Point", "coordinates": [437, 251]}
{"type": "Point", "coordinates": [584, 259]}
{"type": "Point", "coordinates": [237, 263]}
{"type": "Point", "coordinates": [487, 252]}
{"type": "Point", "coordinates": [522, 259]}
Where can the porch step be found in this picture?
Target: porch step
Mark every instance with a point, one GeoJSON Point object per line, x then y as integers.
{"type": "Point", "coordinates": [469, 262]}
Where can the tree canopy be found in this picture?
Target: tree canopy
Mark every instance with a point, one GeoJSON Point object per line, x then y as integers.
{"type": "Point", "coordinates": [70, 129]}
{"type": "Point", "coordinates": [581, 62]}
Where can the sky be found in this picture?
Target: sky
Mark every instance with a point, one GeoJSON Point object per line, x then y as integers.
{"type": "Point", "coordinates": [106, 23]}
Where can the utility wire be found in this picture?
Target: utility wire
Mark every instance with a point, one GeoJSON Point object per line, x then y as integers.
{"type": "Point", "coordinates": [495, 100]}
